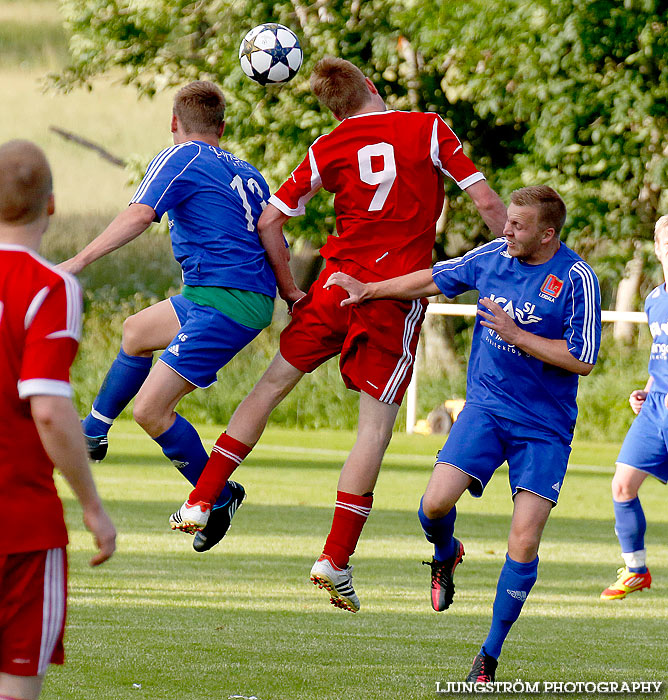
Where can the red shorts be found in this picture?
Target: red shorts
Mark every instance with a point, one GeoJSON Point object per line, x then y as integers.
{"type": "Point", "coordinates": [32, 611]}
{"type": "Point", "coordinates": [377, 340]}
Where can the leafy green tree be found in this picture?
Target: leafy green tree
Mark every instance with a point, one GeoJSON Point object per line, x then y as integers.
{"type": "Point", "coordinates": [161, 44]}
{"type": "Point", "coordinates": [583, 84]}
{"type": "Point", "coordinates": [573, 93]}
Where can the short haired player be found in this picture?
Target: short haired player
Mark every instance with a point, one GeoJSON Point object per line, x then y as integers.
{"type": "Point", "coordinates": [40, 319]}
{"type": "Point", "coordinates": [213, 201]}
{"type": "Point", "coordinates": [386, 170]}
{"type": "Point", "coordinates": [538, 328]}
{"type": "Point", "coordinates": [644, 451]}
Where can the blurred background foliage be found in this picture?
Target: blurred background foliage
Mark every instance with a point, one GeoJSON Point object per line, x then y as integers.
{"type": "Point", "coordinates": [573, 93]}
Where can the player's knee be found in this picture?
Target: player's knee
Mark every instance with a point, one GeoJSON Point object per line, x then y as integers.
{"type": "Point", "coordinates": [622, 490]}
{"type": "Point", "coordinates": [131, 341]}
{"type": "Point", "coordinates": [146, 416]}
{"type": "Point", "coordinates": [524, 545]}
{"type": "Point", "coordinates": [140, 413]}
{"type": "Point", "coordinates": [271, 391]}
{"type": "Point", "coordinates": [434, 507]}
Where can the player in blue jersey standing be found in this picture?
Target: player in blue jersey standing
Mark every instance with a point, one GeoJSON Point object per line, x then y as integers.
{"type": "Point", "coordinates": [538, 328]}
{"type": "Point", "coordinates": [213, 201]}
{"type": "Point", "coordinates": [645, 449]}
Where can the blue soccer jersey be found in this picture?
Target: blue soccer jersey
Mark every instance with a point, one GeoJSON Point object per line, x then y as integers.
{"type": "Point", "coordinates": [656, 308]}
{"type": "Point", "coordinates": [213, 200]}
{"type": "Point", "coordinates": [559, 299]}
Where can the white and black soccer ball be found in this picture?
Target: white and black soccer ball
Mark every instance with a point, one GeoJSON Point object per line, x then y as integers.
{"type": "Point", "coordinates": [270, 54]}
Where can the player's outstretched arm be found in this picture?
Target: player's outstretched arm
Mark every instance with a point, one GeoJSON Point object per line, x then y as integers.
{"type": "Point", "coordinates": [129, 224]}
{"type": "Point", "coordinates": [489, 205]}
{"type": "Point", "coordinates": [60, 432]}
{"type": "Point", "coordinates": [412, 286]}
{"type": "Point", "coordinates": [270, 230]}
{"type": "Point", "coordinates": [551, 350]}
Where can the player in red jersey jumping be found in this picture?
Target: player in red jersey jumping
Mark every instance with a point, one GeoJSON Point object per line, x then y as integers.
{"type": "Point", "coordinates": [386, 170]}
{"type": "Point", "coordinates": [40, 319]}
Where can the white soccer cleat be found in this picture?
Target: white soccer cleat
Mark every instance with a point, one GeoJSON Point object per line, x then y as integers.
{"type": "Point", "coordinates": [190, 517]}
{"type": "Point", "coordinates": [337, 582]}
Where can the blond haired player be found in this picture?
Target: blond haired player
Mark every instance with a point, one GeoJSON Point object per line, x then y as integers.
{"type": "Point", "coordinates": [386, 170]}
{"type": "Point", "coordinates": [644, 451]}
{"type": "Point", "coordinates": [40, 318]}
{"type": "Point", "coordinates": [538, 330]}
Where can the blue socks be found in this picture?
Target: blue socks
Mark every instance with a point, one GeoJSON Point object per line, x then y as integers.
{"type": "Point", "coordinates": [515, 582]}
{"type": "Point", "coordinates": [182, 445]}
{"type": "Point", "coordinates": [440, 533]}
{"type": "Point", "coordinates": [124, 379]}
{"type": "Point", "coordinates": [630, 527]}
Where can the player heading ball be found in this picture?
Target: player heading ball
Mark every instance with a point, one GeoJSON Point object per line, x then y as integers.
{"type": "Point", "coordinates": [386, 170]}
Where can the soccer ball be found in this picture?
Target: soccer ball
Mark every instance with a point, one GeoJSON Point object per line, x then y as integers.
{"type": "Point", "coordinates": [270, 54]}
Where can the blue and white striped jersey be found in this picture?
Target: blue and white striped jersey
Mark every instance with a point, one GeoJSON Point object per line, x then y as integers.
{"type": "Point", "coordinates": [656, 308]}
{"type": "Point", "coordinates": [559, 299]}
{"type": "Point", "coordinates": [213, 200]}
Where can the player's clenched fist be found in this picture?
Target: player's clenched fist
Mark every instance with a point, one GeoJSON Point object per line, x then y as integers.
{"type": "Point", "coordinates": [637, 399]}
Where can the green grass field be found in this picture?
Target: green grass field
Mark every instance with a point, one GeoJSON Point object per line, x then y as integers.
{"type": "Point", "coordinates": [243, 619]}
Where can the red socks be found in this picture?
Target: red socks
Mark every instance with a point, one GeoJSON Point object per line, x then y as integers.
{"type": "Point", "coordinates": [227, 454]}
{"type": "Point", "coordinates": [350, 514]}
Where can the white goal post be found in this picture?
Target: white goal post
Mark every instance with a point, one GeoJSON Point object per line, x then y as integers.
{"type": "Point", "coordinates": [470, 310]}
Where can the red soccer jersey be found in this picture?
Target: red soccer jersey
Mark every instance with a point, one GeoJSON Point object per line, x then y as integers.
{"type": "Point", "coordinates": [40, 323]}
{"type": "Point", "coordinates": [386, 170]}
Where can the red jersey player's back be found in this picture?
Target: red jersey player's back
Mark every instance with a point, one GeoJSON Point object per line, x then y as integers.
{"type": "Point", "coordinates": [386, 171]}
{"type": "Point", "coordinates": [40, 318]}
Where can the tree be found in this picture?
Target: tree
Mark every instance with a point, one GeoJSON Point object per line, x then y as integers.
{"type": "Point", "coordinates": [573, 93]}
{"type": "Point", "coordinates": [163, 43]}
{"type": "Point", "coordinates": [584, 83]}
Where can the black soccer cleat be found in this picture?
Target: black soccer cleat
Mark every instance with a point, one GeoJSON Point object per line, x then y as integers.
{"type": "Point", "coordinates": [220, 520]}
{"type": "Point", "coordinates": [442, 581]}
{"type": "Point", "coordinates": [97, 447]}
{"type": "Point", "coordinates": [483, 669]}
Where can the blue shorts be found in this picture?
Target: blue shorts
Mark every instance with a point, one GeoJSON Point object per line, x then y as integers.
{"type": "Point", "coordinates": [645, 446]}
{"type": "Point", "coordinates": [480, 442]}
{"type": "Point", "coordinates": [206, 341]}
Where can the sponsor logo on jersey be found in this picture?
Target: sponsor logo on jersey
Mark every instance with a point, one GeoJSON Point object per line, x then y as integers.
{"type": "Point", "coordinates": [659, 351]}
{"type": "Point", "coordinates": [174, 349]}
{"type": "Point", "coordinates": [225, 155]}
{"type": "Point", "coordinates": [522, 313]}
{"type": "Point", "coordinates": [518, 595]}
{"type": "Point", "coordinates": [657, 329]}
{"type": "Point", "coordinates": [182, 337]}
{"type": "Point", "coordinates": [551, 288]}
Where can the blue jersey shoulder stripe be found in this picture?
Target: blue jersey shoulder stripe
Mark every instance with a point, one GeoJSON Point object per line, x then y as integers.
{"type": "Point", "coordinates": [177, 176]}
{"type": "Point", "coordinates": [589, 315]}
{"type": "Point", "coordinates": [589, 330]}
{"type": "Point", "coordinates": [154, 168]}
{"type": "Point", "coordinates": [454, 263]}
